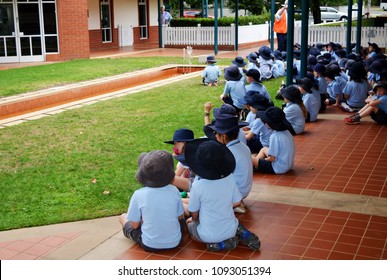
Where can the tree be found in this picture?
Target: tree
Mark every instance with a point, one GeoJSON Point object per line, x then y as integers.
{"type": "Point", "coordinates": [255, 7]}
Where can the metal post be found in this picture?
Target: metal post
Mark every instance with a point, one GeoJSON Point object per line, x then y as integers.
{"type": "Point", "coordinates": [236, 24]}
{"type": "Point", "coordinates": [207, 8]}
{"type": "Point", "coordinates": [349, 26]}
{"type": "Point", "coordinates": [358, 27]}
{"type": "Point", "coordinates": [160, 24]}
{"type": "Point", "coordinates": [304, 37]}
{"type": "Point", "coordinates": [221, 8]}
{"type": "Point", "coordinates": [215, 27]}
{"type": "Point", "coordinates": [203, 15]}
{"type": "Point", "coordinates": [290, 43]}
{"type": "Point", "coordinates": [271, 25]}
{"type": "Point", "coordinates": [181, 8]}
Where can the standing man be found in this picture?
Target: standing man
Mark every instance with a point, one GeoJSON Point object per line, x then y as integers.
{"type": "Point", "coordinates": [165, 16]}
{"type": "Point", "coordinates": [280, 26]}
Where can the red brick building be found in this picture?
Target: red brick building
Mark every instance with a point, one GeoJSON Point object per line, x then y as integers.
{"type": "Point", "coordinates": [55, 30]}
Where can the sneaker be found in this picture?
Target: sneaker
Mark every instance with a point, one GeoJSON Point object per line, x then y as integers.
{"type": "Point", "coordinates": [248, 238]}
{"type": "Point", "coordinates": [352, 120]}
{"type": "Point", "coordinates": [228, 244]}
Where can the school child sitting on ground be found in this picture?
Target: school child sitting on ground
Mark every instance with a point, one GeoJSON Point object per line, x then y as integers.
{"type": "Point", "coordinates": [234, 88]}
{"type": "Point", "coordinates": [225, 129]}
{"type": "Point", "coordinates": [265, 61]}
{"type": "Point", "coordinates": [213, 197]}
{"type": "Point", "coordinates": [278, 158]}
{"type": "Point", "coordinates": [258, 135]}
{"type": "Point", "coordinates": [334, 92]}
{"type": "Point", "coordinates": [153, 225]}
{"type": "Point", "coordinates": [294, 110]}
{"type": "Point", "coordinates": [315, 89]}
{"type": "Point", "coordinates": [253, 77]}
{"type": "Point", "coordinates": [319, 74]}
{"type": "Point", "coordinates": [278, 65]}
{"type": "Point", "coordinates": [253, 61]}
{"type": "Point", "coordinates": [310, 102]}
{"type": "Point", "coordinates": [356, 90]}
{"type": "Point", "coordinates": [180, 138]}
{"type": "Point", "coordinates": [376, 107]}
{"type": "Point", "coordinates": [240, 62]}
{"type": "Point", "coordinates": [211, 73]}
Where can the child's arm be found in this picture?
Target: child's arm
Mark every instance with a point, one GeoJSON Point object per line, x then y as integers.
{"type": "Point", "coordinates": [270, 158]}
{"type": "Point", "coordinates": [182, 183]}
{"type": "Point", "coordinates": [236, 204]}
{"type": "Point", "coordinates": [134, 224]}
{"type": "Point", "coordinates": [337, 100]}
{"type": "Point", "coordinates": [195, 216]}
{"type": "Point", "coordinates": [249, 135]}
{"type": "Point", "coordinates": [375, 102]}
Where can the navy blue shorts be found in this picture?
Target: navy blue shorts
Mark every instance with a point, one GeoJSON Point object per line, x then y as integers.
{"type": "Point", "coordinates": [380, 117]}
{"type": "Point", "coordinates": [265, 166]}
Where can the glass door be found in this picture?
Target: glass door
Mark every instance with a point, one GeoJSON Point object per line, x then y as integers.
{"type": "Point", "coordinates": [29, 33]}
{"type": "Point", "coordinates": [8, 49]}
{"type": "Point", "coordinates": [21, 31]}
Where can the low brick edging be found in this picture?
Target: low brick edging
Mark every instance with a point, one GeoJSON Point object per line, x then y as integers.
{"type": "Point", "coordinates": [33, 101]}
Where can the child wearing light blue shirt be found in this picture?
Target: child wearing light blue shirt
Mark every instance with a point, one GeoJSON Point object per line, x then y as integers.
{"type": "Point", "coordinates": [153, 225]}
{"type": "Point", "coordinates": [211, 73]}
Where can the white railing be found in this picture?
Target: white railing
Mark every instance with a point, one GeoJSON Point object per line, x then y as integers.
{"type": "Point", "coordinates": [186, 36]}
{"type": "Point", "coordinates": [197, 35]}
{"type": "Point", "coordinates": [338, 34]}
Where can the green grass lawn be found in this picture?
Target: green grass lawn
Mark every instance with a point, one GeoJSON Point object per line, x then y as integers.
{"type": "Point", "coordinates": [20, 80]}
{"type": "Point", "coordinates": [47, 166]}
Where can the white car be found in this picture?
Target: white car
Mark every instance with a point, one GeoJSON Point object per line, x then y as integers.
{"type": "Point", "coordinates": [331, 14]}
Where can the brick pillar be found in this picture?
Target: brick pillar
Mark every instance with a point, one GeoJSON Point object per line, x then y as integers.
{"type": "Point", "coordinates": [73, 30]}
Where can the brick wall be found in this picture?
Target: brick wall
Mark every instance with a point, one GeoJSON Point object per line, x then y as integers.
{"type": "Point", "coordinates": [95, 39]}
{"type": "Point", "coordinates": [153, 37]}
{"type": "Point", "coordinates": [73, 30]}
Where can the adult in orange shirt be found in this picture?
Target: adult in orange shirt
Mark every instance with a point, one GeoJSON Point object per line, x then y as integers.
{"type": "Point", "coordinates": [280, 26]}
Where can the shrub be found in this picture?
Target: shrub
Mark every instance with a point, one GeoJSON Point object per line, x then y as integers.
{"type": "Point", "coordinates": [224, 21]}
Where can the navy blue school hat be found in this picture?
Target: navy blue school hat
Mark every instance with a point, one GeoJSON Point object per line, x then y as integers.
{"type": "Point", "coordinates": [252, 57]}
{"type": "Point", "coordinates": [210, 159]}
{"type": "Point", "coordinates": [256, 100]}
{"type": "Point", "coordinates": [278, 55]}
{"type": "Point", "coordinates": [275, 118]}
{"type": "Point", "coordinates": [254, 73]}
{"type": "Point", "coordinates": [306, 84]}
{"type": "Point", "coordinates": [265, 52]}
{"type": "Point", "coordinates": [312, 60]}
{"type": "Point", "coordinates": [239, 61]}
{"type": "Point", "coordinates": [181, 135]}
{"type": "Point", "coordinates": [292, 93]}
{"type": "Point", "coordinates": [232, 73]}
{"type": "Point", "coordinates": [319, 68]}
{"type": "Point", "coordinates": [211, 59]}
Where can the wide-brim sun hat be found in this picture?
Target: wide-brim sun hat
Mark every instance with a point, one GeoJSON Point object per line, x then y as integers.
{"type": "Point", "coordinates": [155, 169]}
{"type": "Point", "coordinates": [275, 118]}
{"type": "Point", "coordinates": [209, 159]}
{"type": "Point", "coordinates": [181, 135]}
{"type": "Point", "coordinates": [319, 68]}
{"type": "Point", "coordinates": [252, 57]}
{"type": "Point", "coordinates": [256, 100]}
{"type": "Point", "coordinates": [211, 59]}
{"type": "Point", "coordinates": [232, 73]}
{"type": "Point", "coordinates": [254, 73]}
{"type": "Point", "coordinates": [379, 85]}
{"type": "Point", "coordinates": [265, 52]}
{"type": "Point", "coordinates": [239, 61]}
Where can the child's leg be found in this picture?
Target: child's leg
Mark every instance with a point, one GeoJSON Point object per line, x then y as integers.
{"type": "Point", "coordinates": [185, 206]}
{"type": "Point", "coordinates": [366, 111]}
{"type": "Point", "coordinates": [363, 109]}
{"type": "Point", "coordinates": [261, 155]}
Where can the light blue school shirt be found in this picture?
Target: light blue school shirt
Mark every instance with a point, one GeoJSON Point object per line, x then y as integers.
{"type": "Point", "coordinates": [279, 70]}
{"type": "Point", "coordinates": [295, 116]}
{"type": "Point", "coordinates": [344, 76]}
{"type": "Point", "coordinates": [383, 106]}
{"type": "Point", "coordinates": [213, 199]}
{"type": "Point", "coordinates": [160, 225]}
{"type": "Point", "coordinates": [283, 149]}
{"type": "Point", "coordinates": [250, 118]}
{"type": "Point", "coordinates": [259, 128]}
{"type": "Point", "coordinates": [243, 172]}
{"type": "Point", "coordinates": [255, 86]}
{"type": "Point", "coordinates": [311, 105]}
{"type": "Point", "coordinates": [252, 65]}
{"type": "Point", "coordinates": [236, 90]}
{"type": "Point", "coordinates": [357, 92]}
{"type": "Point", "coordinates": [211, 73]}
{"type": "Point", "coordinates": [341, 82]}
{"type": "Point", "coordinates": [333, 89]}
{"type": "Point", "coordinates": [322, 85]}
{"type": "Point", "coordinates": [316, 94]}
{"type": "Point", "coordinates": [243, 78]}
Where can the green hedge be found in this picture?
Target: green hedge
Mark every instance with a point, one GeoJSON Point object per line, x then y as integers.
{"type": "Point", "coordinates": [224, 21]}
